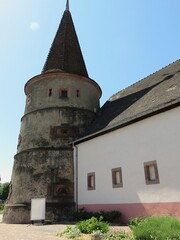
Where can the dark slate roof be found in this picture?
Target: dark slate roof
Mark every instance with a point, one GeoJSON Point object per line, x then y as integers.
{"type": "Point", "coordinates": [65, 53]}
{"type": "Point", "coordinates": [156, 93]}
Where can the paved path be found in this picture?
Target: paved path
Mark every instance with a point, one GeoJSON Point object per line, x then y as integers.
{"type": "Point", "coordinates": [30, 232]}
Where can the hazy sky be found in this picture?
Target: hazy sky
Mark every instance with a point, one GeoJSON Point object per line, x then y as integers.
{"type": "Point", "coordinates": [122, 42]}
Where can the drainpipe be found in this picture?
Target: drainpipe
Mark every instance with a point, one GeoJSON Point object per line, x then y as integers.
{"type": "Point", "coordinates": [75, 148]}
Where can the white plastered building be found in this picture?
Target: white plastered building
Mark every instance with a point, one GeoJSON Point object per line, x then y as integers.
{"type": "Point", "coordinates": [129, 159]}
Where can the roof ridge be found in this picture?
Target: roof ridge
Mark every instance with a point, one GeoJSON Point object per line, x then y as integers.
{"type": "Point", "coordinates": [134, 84]}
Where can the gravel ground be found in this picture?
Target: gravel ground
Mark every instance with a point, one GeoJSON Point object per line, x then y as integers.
{"type": "Point", "coordinates": [36, 232]}
{"type": "Point", "coordinates": [30, 232]}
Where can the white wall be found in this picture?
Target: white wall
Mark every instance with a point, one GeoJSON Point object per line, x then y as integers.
{"type": "Point", "coordinates": [156, 138]}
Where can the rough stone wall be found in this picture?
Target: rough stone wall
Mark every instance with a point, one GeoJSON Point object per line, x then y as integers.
{"type": "Point", "coordinates": [41, 173]}
{"type": "Point", "coordinates": [19, 214]}
{"type": "Point", "coordinates": [37, 91]}
{"type": "Point", "coordinates": [41, 168]}
{"type": "Point", "coordinates": [58, 108]}
{"type": "Point", "coordinates": [57, 127]}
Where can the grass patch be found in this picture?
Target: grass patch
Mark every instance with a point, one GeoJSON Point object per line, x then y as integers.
{"type": "Point", "coordinates": [157, 228]}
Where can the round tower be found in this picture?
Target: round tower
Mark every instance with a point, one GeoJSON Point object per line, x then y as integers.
{"type": "Point", "coordinates": [61, 102]}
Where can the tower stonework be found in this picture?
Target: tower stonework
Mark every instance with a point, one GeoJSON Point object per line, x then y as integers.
{"type": "Point", "coordinates": [60, 103]}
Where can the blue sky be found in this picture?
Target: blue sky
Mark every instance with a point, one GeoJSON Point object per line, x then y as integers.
{"type": "Point", "coordinates": [122, 42]}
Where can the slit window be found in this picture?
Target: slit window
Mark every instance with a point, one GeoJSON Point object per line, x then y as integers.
{"type": "Point", "coordinates": [50, 92]}
{"type": "Point", "coordinates": [91, 181]}
{"type": "Point", "coordinates": [117, 177]}
{"type": "Point", "coordinates": [77, 93]}
{"type": "Point", "coordinates": [151, 172]}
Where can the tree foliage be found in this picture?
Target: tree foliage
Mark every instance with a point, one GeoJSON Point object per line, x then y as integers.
{"type": "Point", "coordinates": [4, 190]}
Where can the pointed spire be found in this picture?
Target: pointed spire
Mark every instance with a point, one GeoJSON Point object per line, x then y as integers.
{"type": "Point", "coordinates": [67, 5]}
{"type": "Point", "coordinates": [65, 53]}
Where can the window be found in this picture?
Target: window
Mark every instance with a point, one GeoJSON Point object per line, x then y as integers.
{"type": "Point", "coordinates": [50, 92]}
{"type": "Point", "coordinates": [151, 172]}
{"type": "Point", "coordinates": [77, 93]}
{"type": "Point", "coordinates": [64, 94]}
{"type": "Point", "coordinates": [64, 132]}
{"type": "Point", "coordinates": [91, 181]}
{"type": "Point", "coordinates": [117, 177]}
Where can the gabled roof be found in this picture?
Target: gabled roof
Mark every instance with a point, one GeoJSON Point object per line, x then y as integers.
{"type": "Point", "coordinates": [65, 53]}
{"type": "Point", "coordinates": [156, 93]}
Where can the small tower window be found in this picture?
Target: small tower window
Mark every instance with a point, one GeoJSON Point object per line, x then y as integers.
{"type": "Point", "coordinates": [50, 92]}
{"type": "Point", "coordinates": [64, 93]}
{"type": "Point", "coordinates": [77, 93]}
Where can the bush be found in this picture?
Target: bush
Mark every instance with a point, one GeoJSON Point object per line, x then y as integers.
{"type": "Point", "coordinates": [134, 222]}
{"type": "Point", "coordinates": [157, 228]}
{"type": "Point", "coordinates": [109, 216]}
{"type": "Point", "coordinates": [1, 206]}
{"type": "Point", "coordinates": [93, 224]}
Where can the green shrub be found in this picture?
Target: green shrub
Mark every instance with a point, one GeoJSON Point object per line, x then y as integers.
{"type": "Point", "coordinates": [93, 224]}
{"type": "Point", "coordinates": [134, 222]}
{"type": "Point", "coordinates": [1, 206]}
{"type": "Point", "coordinates": [109, 216]}
{"type": "Point", "coordinates": [4, 190]}
{"type": "Point", "coordinates": [82, 214]}
{"type": "Point", "coordinates": [158, 228]}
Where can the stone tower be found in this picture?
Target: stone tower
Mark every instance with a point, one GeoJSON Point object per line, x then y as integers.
{"type": "Point", "coordinates": [61, 102]}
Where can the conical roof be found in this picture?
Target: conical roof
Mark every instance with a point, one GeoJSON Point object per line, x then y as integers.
{"type": "Point", "coordinates": [65, 53]}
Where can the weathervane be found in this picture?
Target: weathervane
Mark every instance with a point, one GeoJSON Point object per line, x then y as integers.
{"type": "Point", "coordinates": [67, 5]}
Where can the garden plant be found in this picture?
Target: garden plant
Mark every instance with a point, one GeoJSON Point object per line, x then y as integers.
{"type": "Point", "coordinates": [93, 228]}
{"type": "Point", "coordinates": [150, 228]}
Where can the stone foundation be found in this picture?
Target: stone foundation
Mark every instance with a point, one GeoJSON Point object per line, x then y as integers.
{"type": "Point", "coordinates": [16, 214]}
